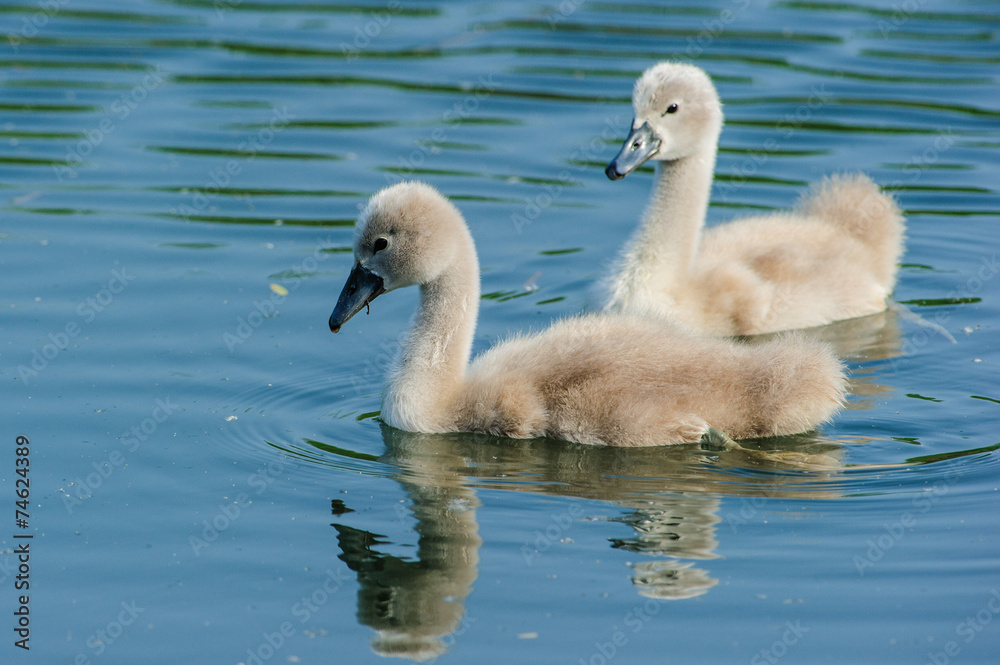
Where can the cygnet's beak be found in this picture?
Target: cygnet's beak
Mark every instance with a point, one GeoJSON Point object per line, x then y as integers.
{"type": "Point", "coordinates": [361, 288]}
{"type": "Point", "coordinates": [641, 144]}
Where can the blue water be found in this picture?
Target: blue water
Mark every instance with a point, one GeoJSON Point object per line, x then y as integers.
{"type": "Point", "coordinates": [209, 482]}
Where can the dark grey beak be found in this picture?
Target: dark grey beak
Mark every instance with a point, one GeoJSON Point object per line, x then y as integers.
{"type": "Point", "coordinates": [361, 288]}
{"type": "Point", "coordinates": [640, 145]}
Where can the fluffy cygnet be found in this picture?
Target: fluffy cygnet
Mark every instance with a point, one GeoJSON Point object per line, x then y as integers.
{"type": "Point", "coordinates": [614, 379]}
{"type": "Point", "coordinates": [834, 257]}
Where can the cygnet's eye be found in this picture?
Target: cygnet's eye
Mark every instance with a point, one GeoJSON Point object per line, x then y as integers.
{"type": "Point", "coordinates": [671, 109]}
{"type": "Point", "coordinates": [379, 245]}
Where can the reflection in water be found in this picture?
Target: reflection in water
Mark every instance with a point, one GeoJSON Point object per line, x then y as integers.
{"type": "Point", "coordinates": [863, 339]}
{"type": "Point", "coordinates": [865, 343]}
{"type": "Point", "coordinates": [672, 529]}
{"type": "Point", "coordinates": [415, 605]}
{"type": "Point", "coordinates": [670, 496]}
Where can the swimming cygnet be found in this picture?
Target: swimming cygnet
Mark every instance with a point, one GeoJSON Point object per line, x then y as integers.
{"type": "Point", "coordinates": [614, 379]}
{"type": "Point", "coordinates": [834, 257]}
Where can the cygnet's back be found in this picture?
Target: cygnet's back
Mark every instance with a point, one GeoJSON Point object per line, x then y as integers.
{"type": "Point", "coordinates": [632, 380]}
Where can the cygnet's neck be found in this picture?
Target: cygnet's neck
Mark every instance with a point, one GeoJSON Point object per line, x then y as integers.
{"type": "Point", "coordinates": [430, 369]}
{"type": "Point", "coordinates": [663, 249]}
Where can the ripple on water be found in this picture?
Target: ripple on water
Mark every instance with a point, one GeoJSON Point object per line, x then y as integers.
{"type": "Point", "coordinates": [296, 417]}
{"type": "Point", "coordinates": [294, 420]}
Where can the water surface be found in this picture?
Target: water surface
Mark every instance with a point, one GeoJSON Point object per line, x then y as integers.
{"type": "Point", "coordinates": [209, 479]}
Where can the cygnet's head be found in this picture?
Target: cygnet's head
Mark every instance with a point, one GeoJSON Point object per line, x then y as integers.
{"type": "Point", "coordinates": [676, 111]}
{"type": "Point", "coordinates": [409, 233]}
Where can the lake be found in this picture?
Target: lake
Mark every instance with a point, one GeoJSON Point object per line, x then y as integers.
{"type": "Point", "coordinates": [209, 479]}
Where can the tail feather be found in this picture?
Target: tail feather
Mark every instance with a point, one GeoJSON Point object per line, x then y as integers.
{"type": "Point", "coordinates": [854, 203]}
{"type": "Point", "coordinates": [807, 383]}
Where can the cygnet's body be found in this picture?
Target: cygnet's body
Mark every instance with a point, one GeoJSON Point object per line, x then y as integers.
{"type": "Point", "coordinates": [834, 257]}
{"type": "Point", "coordinates": [622, 380]}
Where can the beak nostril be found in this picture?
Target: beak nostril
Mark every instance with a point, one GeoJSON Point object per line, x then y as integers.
{"type": "Point", "coordinates": [641, 145]}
